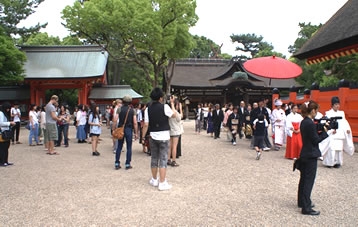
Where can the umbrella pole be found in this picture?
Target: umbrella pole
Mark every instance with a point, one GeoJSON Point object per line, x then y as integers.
{"type": "Point", "coordinates": [270, 82]}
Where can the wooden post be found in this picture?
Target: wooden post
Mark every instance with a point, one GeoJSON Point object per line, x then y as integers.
{"type": "Point", "coordinates": [343, 93]}
{"type": "Point", "coordinates": [32, 93]}
{"type": "Point", "coordinates": [315, 92]}
{"type": "Point", "coordinates": [293, 94]}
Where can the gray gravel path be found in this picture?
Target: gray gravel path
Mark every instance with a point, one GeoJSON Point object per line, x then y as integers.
{"type": "Point", "coordinates": [216, 184]}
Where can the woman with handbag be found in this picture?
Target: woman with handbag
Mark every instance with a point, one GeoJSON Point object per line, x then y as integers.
{"type": "Point", "coordinates": [62, 126]}
{"type": "Point", "coordinates": [34, 125]}
{"type": "Point", "coordinates": [5, 134]}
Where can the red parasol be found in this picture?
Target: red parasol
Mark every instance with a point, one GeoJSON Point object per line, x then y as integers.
{"type": "Point", "coordinates": [273, 67]}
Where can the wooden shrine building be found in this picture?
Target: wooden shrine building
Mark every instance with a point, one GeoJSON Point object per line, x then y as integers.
{"type": "Point", "coordinates": [222, 81]}
{"type": "Point", "coordinates": [62, 67]}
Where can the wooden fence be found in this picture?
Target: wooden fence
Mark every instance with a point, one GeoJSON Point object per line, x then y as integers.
{"type": "Point", "coordinates": [348, 96]}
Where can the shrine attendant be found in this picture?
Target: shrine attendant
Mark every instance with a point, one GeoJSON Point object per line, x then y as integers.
{"type": "Point", "coordinates": [339, 140]}
{"type": "Point", "coordinates": [278, 123]}
{"type": "Point", "coordinates": [294, 140]}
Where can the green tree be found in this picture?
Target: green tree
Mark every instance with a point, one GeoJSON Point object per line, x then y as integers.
{"type": "Point", "coordinates": [269, 52]}
{"type": "Point", "coordinates": [12, 12]}
{"type": "Point", "coordinates": [11, 61]}
{"type": "Point", "coordinates": [46, 40]}
{"type": "Point", "coordinates": [43, 39]}
{"type": "Point", "coordinates": [250, 44]}
{"type": "Point", "coordinates": [203, 47]}
{"type": "Point", "coordinates": [148, 33]}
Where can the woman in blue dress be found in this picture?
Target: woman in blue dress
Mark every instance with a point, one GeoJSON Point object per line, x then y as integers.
{"type": "Point", "coordinates": [210, 122]}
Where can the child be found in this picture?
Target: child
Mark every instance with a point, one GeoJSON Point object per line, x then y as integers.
{"type": "Point", "coordinates": [260, 125]}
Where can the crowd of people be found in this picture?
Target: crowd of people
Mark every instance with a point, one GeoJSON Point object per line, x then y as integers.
{"type": "Point", "coordinates": [158, 127]}
{"type": "Point", "coordinates": [253, 122]}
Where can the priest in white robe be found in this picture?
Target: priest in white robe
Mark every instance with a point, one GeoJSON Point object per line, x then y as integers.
{"type": "Point", "coordinates": [278, 124]}
{"type": "Point", "coordinates": [338, 140]}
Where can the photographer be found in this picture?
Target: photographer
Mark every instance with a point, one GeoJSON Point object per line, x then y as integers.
{"type": "Point", "coordinates": [339, 140]}
{"type": "Point", "coordinates": [307, 163]}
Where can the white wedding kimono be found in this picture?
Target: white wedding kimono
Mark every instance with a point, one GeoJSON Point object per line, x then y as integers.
{"type": "Point", "coordinates": [332, 147]}
{"type": "Point", "coordinates": [278, 124]}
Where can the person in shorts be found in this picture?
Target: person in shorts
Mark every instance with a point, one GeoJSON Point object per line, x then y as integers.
{"type": "Point", "coordinates": [94, 120]}
{"type": "Point", "coordinates": [260, 125]}
{"type": "Point", "coordinates": [156, 117]}
{"type": "Point", "coordinates": [51, 124]}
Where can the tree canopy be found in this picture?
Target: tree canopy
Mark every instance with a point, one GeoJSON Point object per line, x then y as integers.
{"type": "Point", "coordinates": [11, 61]}
{"type": "Point", "coordinates": [42, 38]}
{"type": "Point", "coordinates": [12, 12]}
{"type": "Point", "coordinates": [148, 33]}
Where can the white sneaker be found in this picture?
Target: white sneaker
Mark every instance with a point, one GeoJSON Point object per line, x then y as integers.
{"type": "Point", "coordinates": [164, 186]}
{"type": "Point", "coordinates": [114, 151]}
{"type": "Point", "coordinates": [258, 156]}
{"type": "Point", "coordinates": [154, 182]}
{"type": "Point", "coordinates": [234, 143]}
{"type": "Point", "coordinates": [266, 149]}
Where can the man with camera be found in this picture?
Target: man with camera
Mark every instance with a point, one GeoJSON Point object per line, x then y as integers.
{"type": "Point", "coordinates": [156, 117]}
{"type": "Point", "coordinates": [340, 137]}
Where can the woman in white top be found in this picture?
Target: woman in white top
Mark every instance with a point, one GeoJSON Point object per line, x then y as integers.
{"type": "Point", "coordinates": [175, 132]}
{"type": "Point", "coordinates": [81, 119]}
{"type": "Point", "coordinates": [5, 125]}
{"type": "Point", "coordinates": [95, 123]}
{"type": "Point", "coordinates": [34, 125]}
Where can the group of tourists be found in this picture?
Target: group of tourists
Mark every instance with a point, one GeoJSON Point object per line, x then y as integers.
{"type": "Point", "coordinates": [158, 127]}
{"type": "Point", "coordinates": [253, 122]}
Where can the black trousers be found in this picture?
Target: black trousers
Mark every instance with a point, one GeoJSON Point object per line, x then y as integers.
{"type": "Point", "coordinates": [217, 128]}
{"type": "Point", "coordinates": [4, 152]}
{"type": "Point", "coordinates": [308, 168]}
{"type": "Point", "coordinates": [16, 130]}
{"type": "Point", "coordinates": [266, 140]}
{"type": "Point", "coordinates": [205, 123]}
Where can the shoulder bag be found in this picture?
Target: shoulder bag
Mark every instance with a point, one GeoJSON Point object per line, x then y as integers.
{"type": "Point", "coordinates": [118, 133]}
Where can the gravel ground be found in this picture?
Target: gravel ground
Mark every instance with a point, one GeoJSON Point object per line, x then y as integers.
{"type": "Point", "coordinates": [216, 184]}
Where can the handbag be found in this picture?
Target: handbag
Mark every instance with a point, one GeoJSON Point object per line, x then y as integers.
{"type": "Point", "coordinates": [118, 133]}
{"type": "Point", "coordinates": [6, 135]}
{"type": "Point", "coordinates": [28, 126]}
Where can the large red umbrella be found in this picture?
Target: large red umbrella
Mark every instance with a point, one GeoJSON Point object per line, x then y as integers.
{"type": "Point", "coordinates": [273, 67]}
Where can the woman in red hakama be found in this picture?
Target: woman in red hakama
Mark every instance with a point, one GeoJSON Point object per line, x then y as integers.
{"type": "Point", "coordinates": [294, 140]}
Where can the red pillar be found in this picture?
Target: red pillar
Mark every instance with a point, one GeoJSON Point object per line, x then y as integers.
{"type": "Point", "coordinates": [32, 93]}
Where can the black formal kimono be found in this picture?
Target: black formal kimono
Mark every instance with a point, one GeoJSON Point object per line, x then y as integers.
{"type": "Point", "coordinates": [233, 122]}
{"type": "Point", "coordinates": [218, 117]}
{"type": "Point", "coordinates": [242, 113]}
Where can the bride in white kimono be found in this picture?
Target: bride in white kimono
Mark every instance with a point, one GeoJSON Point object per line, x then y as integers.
{"type": "Point", "coordinates": [338, 140]}
{"type": "Point", "coordinates": [278, 124]}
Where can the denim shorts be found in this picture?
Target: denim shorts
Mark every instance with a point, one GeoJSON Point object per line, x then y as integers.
{"type": "Point", "coordinates": [159, 150]}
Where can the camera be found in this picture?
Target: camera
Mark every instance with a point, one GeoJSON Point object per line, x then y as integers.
{"type": "Point", "coordinates": [332, 123]}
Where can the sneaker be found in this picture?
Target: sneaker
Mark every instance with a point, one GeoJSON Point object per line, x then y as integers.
{"type": "Point", "coordinates": [258, 156]}
{"type": "Point", "coordinates": [154, 182]}
{"type": "Point", "coordinates": [234, 143]}
{"type": "Point", "coordinates": [96, 153]}
{"type": "Point", "coordinates": [164, 186]}
{"type": "Point", "coordinates": [117, 166]}
{"type": "Point", "coordinates": [114, 151]}
{"type": "Point", "coordinates": [128, 167]}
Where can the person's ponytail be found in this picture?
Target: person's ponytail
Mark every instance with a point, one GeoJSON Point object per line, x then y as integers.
{"type": "Point", "coordinates": [307, 107]}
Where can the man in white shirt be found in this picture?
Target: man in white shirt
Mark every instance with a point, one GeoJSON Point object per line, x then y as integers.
{"type": "Point", "coordinates": [156, 117]}
{"type": "Point", "coordinates": [16, 115]}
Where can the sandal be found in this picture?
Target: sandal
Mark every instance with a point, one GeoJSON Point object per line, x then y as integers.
{"type": "Point", "coordinates": [53, 153]}
{"type": "Point", "coordinates": [174, 164]}
{"type": "Point", "coordinates": [169, 162]}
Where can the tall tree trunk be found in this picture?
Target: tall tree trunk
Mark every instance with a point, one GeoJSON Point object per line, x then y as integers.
{"type": "Point", "coordinates": [169, 73]}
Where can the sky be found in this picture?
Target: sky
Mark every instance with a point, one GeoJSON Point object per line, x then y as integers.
{"type": "Point", "coordinates": [275, 20]}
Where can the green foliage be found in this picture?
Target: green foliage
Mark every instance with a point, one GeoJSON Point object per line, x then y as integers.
{"type": "Point", "coordinates": [269, 52]}
{"type": "Point", "coordinates": [250, 44]}
{"type": "Point", "coordinates": [337, 69]}
{"type": "Point", "coordinates": [65, 96]}
{"type": "Point", "coordinates": [203, 47]}
{"type": "Point", "coordinates": [43, 39]}
{"type": "Point", "coordinates": [46, 40]}
{"type": "Point", "coordinates": [145, 32]}
{"type": "Point", "coordinates": [12, 12]}
{"type": "Point", "coordinates": [11, 61]}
